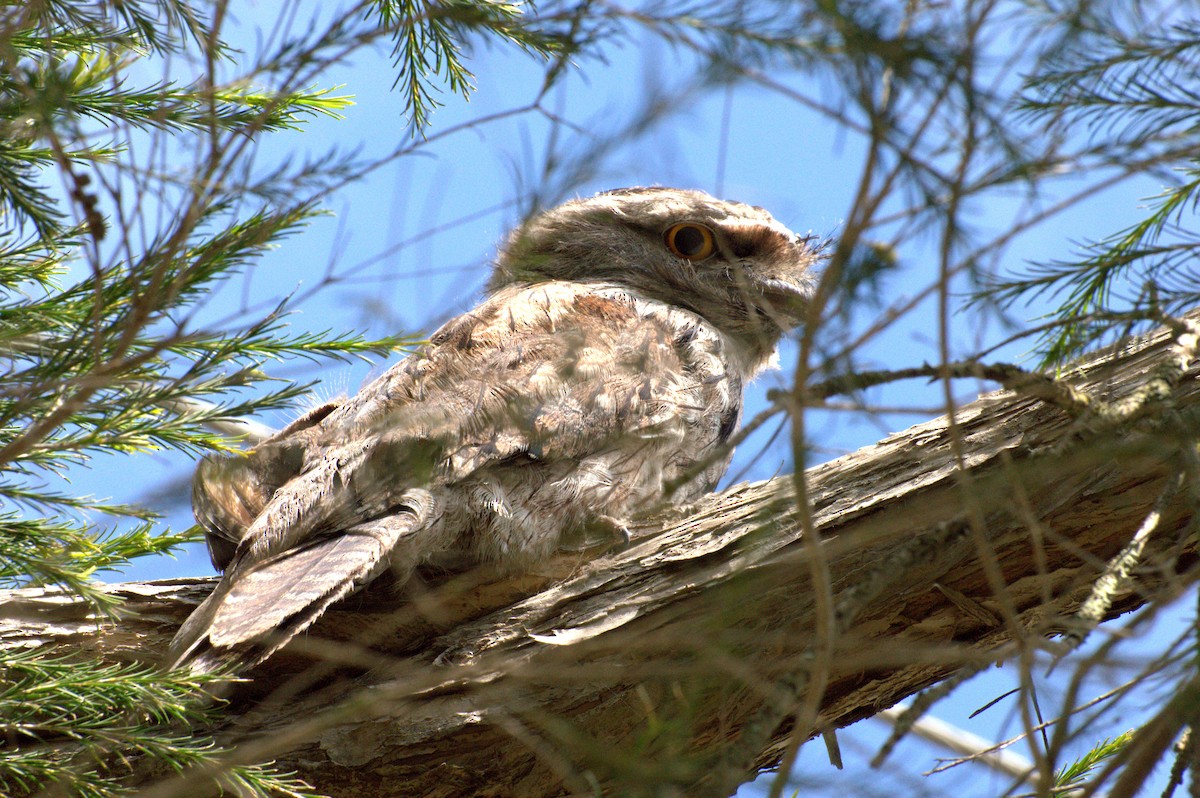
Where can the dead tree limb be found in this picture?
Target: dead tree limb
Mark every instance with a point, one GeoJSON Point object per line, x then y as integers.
{"type": "Point", "coordinates": [678, 662]}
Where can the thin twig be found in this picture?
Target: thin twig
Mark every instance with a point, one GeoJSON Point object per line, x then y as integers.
{"type": "Point", "coordinates": [966, 744]}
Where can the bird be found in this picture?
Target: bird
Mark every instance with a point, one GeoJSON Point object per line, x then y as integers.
{"type": "Point", "coordinates": [601, 375]}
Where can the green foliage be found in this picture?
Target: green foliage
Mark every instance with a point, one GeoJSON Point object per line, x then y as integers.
{"type": "Point", "coordinates": [1069, 779]}
{"type": "Point", "coordinates": [64, 720]}
{"type": "Point", "coordinates": [428, 39]}
{"type": "Point", "coordinates": [125, 203]}
{"type": "Point", "coordinates": [1128, 86]}
{"type": "Point", "coordinates": [1138, 273]}
{"type": "Point", "coordinates": [104, 364]}
{"type": "Point", "coordinates": [53, 86]}
{"type": "Point", "coordinates": [108, 351]}
{"type": "Point", "coordinates": [1135, 92]}
{"type": "Point", "coordinates": [101, 345]}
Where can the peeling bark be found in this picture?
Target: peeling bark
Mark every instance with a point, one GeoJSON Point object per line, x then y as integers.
{"type": "Point", "coordinates": [675, 664]}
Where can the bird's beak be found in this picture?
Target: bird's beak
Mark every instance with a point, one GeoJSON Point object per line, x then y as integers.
{"type": "Point", "coordinates": [786, 297]}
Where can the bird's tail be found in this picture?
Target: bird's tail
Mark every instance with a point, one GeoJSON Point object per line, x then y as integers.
{"type": "Point", "coordinates": [257, 609]}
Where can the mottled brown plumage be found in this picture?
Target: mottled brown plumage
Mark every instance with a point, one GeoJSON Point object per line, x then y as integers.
{"type": "Point", "coordinates": [607, 360]}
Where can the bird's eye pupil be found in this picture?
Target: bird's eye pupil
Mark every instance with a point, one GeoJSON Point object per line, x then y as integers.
{"type": "Point", "coordinates": [690, 241]}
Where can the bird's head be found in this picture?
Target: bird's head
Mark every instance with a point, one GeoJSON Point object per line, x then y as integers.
{"type": "Point", "coordinates": [732, 264]}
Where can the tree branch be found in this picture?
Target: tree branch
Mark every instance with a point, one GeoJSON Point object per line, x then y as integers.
{"type": "Point", "coordinates": [681, 659]}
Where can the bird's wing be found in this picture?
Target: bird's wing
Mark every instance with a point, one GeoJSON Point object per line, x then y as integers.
{"type": "Point", "coordinates": [229, 491]}
{"type": "Point", "coordinates": [252, 614]}
{"type": "Point", "coordinates": [554, 372]}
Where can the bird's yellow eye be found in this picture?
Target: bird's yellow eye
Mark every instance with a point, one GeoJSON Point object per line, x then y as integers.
{"type": "Point", "coordinates": [690, 241]}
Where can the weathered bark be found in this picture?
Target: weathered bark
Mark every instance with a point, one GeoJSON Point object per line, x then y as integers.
{"type": "Point", "coordinates": [678, 661]}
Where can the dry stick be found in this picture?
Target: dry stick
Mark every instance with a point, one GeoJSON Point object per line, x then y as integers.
{"type": "Point", "coordinates": [790, 689]}
{"type": "Point", "coordinates": [970, 746]}
{"type": "Point", "coordinates": [946, 765]}
{"type": "Point", "coordinates": [1116, 573]}
{"type": "Point", "coordinates": [906, 720]}
{"type": "Point", "coordinates": [869, 196]}
{"type": "Point", "coordinates": [1027, 383]}
{"type": "Point", "coordinates": [863, 207]}
{"type": "Point", "coordinates": [1185, 750]}
{"type": "Point", "coordinates": [1157, 389]}
{"type": "Point", "coordinates": [1192, 750]}
{"type": "Point", "coordinates": [976, 521]}
{"type": "Point", "coordinates": [1094, 417]}
{"type": "Point", "coordinates": [1108, 417]}
{"type": "Point", "coordinates": [1151, 742]}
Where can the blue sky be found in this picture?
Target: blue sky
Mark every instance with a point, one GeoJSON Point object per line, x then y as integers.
{"type": "Point", "coordinates": [748, 143]}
